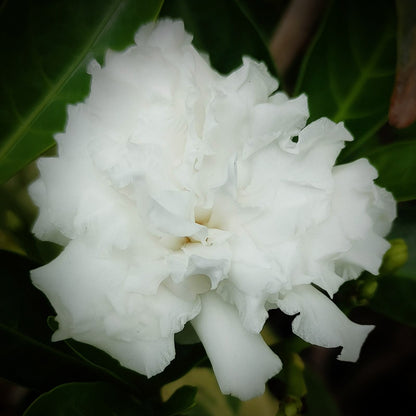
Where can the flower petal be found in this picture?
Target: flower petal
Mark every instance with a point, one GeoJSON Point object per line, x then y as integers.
{"type": "Point", "coordinates": [320, 322]}
{"type": "Point", "coordinates": [241, 360]}
{"type": "Point", "coordinates": [146, 357]}
{"type": "Point", "coordinates": [96, 303]}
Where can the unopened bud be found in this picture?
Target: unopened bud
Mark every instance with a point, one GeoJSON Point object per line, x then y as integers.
{"type": "Point", "coordinates": [368, 289]}
{"type": "Point", "coordinates": [395, 257]}
{"type": "Point", "coordinates": [291, 409]}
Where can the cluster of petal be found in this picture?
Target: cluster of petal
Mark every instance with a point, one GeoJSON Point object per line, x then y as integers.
{"type": "Point", "coordinates": [182, 195]}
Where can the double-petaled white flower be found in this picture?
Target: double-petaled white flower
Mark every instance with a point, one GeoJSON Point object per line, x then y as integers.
{"type": "Point", "coordinates": [184, 195]}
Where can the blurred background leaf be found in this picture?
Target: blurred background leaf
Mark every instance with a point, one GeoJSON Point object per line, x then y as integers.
{"type": "Point", "coordinates": [209, 401]}
{"type": "Point", "coordinates": [87, 399]}
{"type": "Point", "coordinates": [396, 166]}
{"type": "Point", "coordinates": [46, 47]}
{"type": "Point", "coordinates": [319, 401]}
{"type": "Point", "coordinates": [348, 72]}
{"type": "Point", "coordinates": [182, 400]}
{"type": "Point", "coordinates": [17, 213]}
{"type": "Point", "coordinates": [223, 29]}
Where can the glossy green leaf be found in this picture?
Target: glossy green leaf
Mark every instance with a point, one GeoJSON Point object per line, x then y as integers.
{"type": "Point", "coordinates": [46, 46]}
{"type": "Point", "coordinates": [348, 72]}
{"type": "Point", "coordinates": [27, 356]}
{"type": "Point", "coordinates": [87, 399]}
{"type": "Point", "coordinates": [396, 166]}
{"type": "Point", "coordinates": [396, 294]}
{"type": "Point", "coordinates": [181, 401]}
{"type": "Point", "coordinates": [221, 28]}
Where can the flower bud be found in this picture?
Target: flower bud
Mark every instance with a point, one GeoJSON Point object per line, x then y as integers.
{"type": "Point", "coordinates": [395, 257]}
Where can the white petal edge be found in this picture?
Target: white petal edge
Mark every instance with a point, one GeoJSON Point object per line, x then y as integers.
{"type": "Point", "coordinates": [241, 360]}
{"type": "Point", "coordinates": [321, 323]}
{"type": "Point", "coordinates": [145, 357]}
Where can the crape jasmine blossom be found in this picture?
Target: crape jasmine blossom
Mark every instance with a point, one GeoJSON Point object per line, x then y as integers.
{"type": "Point", "coordinates": [182, 195]}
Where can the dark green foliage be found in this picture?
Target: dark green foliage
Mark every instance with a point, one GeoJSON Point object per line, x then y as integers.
{"type": "Point", "coordinates": [222, 29]}
{"type": "Point", "coordinates": [348, 72]}
{"type": "Point", "coordinates": [87, 399]}
{"type": "Point", "coordinates": [46, 47]}
{"type": "Point", "coordinates": [396, 166]}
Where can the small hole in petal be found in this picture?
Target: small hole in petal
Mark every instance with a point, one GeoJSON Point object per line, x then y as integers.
{"type": "Point", "coordinates": [295, 139]}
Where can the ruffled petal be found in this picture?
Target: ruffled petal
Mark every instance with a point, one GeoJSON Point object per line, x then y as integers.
{"type": "Point", "coordinates": [96, 301]}
{"type": "Point", "coordinates": [270, 121]}
{"type": "Point", "coordinates": [149, 357]}
{"type": "Point", "coordinates": [318, 147]}
{"type": "Point", "coordinates": [321, 323]}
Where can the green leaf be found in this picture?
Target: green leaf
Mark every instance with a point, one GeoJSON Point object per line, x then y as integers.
{"type": "Point", "coordinates": [318, 400]}
{"type": "Point", "coordinates": [46, 47]}
{"type": "Point", "coordinates": [395, 298]}
{"type": "Point", "coordinates": [266, 15]}
{"type": "Point", "coordinates": [221, 28]}
{"type": "Point", "coordinates": [27, 356]}
{"type": "Point", "coordinates": [396, 294]}
{"type": "Point", "coordinates": [181, 401]}
{"type": "Point", "coordinates": [348, 72]}
{"type": "Point", "coordinates": [86, 399]}
{"type": "Point", "coordinates": [396, 166]}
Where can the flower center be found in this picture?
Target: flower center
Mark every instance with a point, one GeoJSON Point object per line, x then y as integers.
{"type": "Point", "coordinates": [202, 216]}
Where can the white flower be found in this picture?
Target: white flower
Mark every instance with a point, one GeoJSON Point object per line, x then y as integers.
{"type": "Point", "coordinates": [184, 195]}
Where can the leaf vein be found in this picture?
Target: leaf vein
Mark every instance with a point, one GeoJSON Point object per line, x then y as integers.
{"type": "Point", "coordinates": [10, 142]}
{"type": "Point", "coordinates": [342, 112]}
